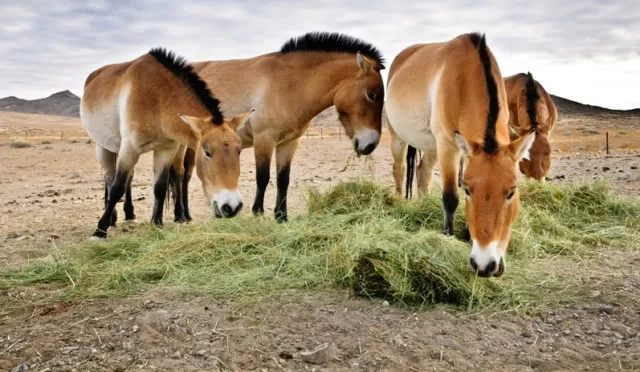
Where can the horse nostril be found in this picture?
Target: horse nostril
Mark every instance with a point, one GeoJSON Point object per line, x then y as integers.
{"type": "Point", "coordinates": [356, 143]}
{"type": "Point", "coordinates": [491, 267]}
{"type": "Point", "coordinates": [239, 207]}
{"type": "Point", "coordinates": [473, 264]}
{"type": "Point", "coordinates": [226, 209]}
{"type": "Point", "coordinates": [369, 149]}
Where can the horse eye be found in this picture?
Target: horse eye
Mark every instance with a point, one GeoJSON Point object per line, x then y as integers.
{"type": "Point", "coordinates": [371, 96]}
{"type": "Point", "coordinates": [466, 191]}
{"type": "Point", "coordinates": [207, 153]}
{"type": "Point", "coordinates": [511, 194]}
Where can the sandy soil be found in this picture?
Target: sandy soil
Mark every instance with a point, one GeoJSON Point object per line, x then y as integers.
{"type": "Point", "coordinates": [52, 192]}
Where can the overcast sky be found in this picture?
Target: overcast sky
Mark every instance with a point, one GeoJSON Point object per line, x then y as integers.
{"type": "Point", "coordinates": [585, 50]}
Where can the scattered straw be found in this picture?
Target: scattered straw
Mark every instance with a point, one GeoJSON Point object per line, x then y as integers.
{"type": "Point", "coordinates": [357, 235]}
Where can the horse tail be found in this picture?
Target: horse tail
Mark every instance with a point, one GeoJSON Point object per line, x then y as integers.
{"type": "Point", "coordinates": [170, 185]}
{"type": "Point", "coordinates": [411, 166]}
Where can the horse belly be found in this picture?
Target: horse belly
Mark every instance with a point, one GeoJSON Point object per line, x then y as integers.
{"type": "Point", "coordinates": [102, 125]}
{"type": "Point", "coordinates": [412, 125]}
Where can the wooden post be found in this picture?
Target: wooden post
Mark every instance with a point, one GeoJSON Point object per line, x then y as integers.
{"type": "Point", "coordinates": [321, 135]}
{"type": "Point", "coordinates": [61, 135]}
{"type": "Point", "coordinates": [607, 141]}
{"type": "Point", "coordinates": [26, 135]}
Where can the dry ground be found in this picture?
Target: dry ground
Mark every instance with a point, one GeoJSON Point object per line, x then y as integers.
{"type": "Point", "coordinates": [51, 194]}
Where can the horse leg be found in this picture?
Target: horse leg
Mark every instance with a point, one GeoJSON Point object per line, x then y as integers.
{"type": "Point", "coordinates": [177, 177]}
{"type": "Point", "coordinates": [466, 235]}
{"type": "Point", "coordinates": [263, 150]}
{"type": "Point", "coordinates": [162, 160]}
{"type": "Point", "coordinates": [126, 160]}
{"type": "Point", "coordinates": [399, 153]}
{"type": "Point", "coordinates": [425, 170]}
{"type": "Point", "coordinates": [188, 165]}
{"type": "Point", "coordinates": [449, 157]}
{"type": "Point", "coordinates": [284, 155]}
{"type": "Point", "coordinates": [107, 160]}
{"type": "Point", "coordinates": [128, 201]}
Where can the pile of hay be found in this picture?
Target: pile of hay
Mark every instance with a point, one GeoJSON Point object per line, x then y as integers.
{"type": "Point", "coordinates": [356, 235]}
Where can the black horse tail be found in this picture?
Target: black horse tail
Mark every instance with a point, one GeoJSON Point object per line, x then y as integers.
{"type": "Point", "coordinates": [411, 167]}
{"type": "Point", "coordinates": [171, 192]}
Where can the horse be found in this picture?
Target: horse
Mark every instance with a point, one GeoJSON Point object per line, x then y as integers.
{"type": "Point", "coordinates": [531, 108]}
{"type": "Point", "coordinates": [157, 102]}
{"type": "Point", "coordinates": [448, 100]}
{"type": "Point", "coordinates": [287, 89]}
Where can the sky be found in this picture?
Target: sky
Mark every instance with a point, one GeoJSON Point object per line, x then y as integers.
{"type": "Point", "coordinates": [587, 51]}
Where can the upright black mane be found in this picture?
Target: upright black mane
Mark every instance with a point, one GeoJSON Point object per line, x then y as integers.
{"type": "Point", "coordinates": [490, 143]}
{"type": "Point", "coordinates": [332, 42]}
{"type": "Point", "coordinates": [184, 71]}
{"type": "Point", "coordinates": [532, 99]}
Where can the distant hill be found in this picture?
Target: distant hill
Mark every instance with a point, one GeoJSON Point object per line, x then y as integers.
{"type": "Point", "coordinates": [567, 107]}
{"type": "Point", "coordinates": [62, 103]}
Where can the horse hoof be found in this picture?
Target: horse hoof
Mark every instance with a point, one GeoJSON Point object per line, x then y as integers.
{"type": "Point", "coordinates": [98, 235]}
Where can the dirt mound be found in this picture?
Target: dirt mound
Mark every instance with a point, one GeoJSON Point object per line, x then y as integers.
{"type": "Point", "coordinates": [62, 103]}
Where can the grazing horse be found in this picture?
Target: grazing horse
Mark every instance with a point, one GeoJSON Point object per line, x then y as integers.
{"type": "Point", "coordinates": [448, 100]}
{"type": "Point", "coordinates": [157, 103]}
{"type": "Point", "coordinates": [287, 89]}
{"type": "Point", "coordinates": [531, 108]}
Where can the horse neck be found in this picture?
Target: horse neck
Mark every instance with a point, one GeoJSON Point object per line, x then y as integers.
{"type": "Point", "coordinates": [319, 77]}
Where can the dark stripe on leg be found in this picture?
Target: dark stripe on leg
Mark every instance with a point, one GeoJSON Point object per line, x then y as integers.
{"type": "Point", "coordinates": [176, 184]}
{"type": "Point", "coordinates": [188, 172]}
{"type": "Point", "coordinates": [128, 202]}
{"type": "Point", "coordinates": [281, 200]}
{"type": "Point", "coordinates": [116, 191]}
{"type": "Point", "coordinates": [450, 203]}
{"type": "Point", "coordinates": [262, 180]}
{"type": "Point", "coordinates": [160, 193]}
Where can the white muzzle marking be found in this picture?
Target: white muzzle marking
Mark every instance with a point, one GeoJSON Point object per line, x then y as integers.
{"type": "Point", "coordinates": [484, 256]}
{"type": "Point", "coordinates": [367, 137]}
{"type": "Point", "coordinates": [232, 198]}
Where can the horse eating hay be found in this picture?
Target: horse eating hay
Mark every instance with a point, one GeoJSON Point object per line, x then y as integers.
{"type": "Point", "coordinates": [448, 99]}
{"type": "Point", "coordinates": [288, 89]}
{"type": "Point", "coordinates": [157, 103]}
{"type": "Point", "coordinates": [531, 108]}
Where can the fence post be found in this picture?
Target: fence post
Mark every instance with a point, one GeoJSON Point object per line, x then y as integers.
{"type": "Point", "coordinates": [607, 141]}
{"type": "Point", "coordinates": [26, 135]}
{"type": "Point", "coordinates": [321, 135]}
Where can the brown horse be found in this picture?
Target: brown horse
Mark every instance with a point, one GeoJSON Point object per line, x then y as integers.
{"type": "Point", "coordinates": [448, 99]}
{"type": "Point", "coordinates": [138, 106]}
{"type": "Point", "coordinates": [531, 108]}
{"type": "Point", "coordinates": [287, 89]}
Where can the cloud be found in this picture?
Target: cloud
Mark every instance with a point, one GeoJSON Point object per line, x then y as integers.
{"type": "Point", "coordinates": [585, 50]}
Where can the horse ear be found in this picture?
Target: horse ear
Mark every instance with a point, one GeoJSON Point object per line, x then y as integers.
{"type": "Point", "coordinates": [364, 63]}
{"type": "Point", "coordinates": [465, 147]}
{"type": "Point", "coordinates": [239, 121]}
{"type": "Point", "coordinates": [193, 122]}
{"type": "Point", "coordinates": [519, 149]}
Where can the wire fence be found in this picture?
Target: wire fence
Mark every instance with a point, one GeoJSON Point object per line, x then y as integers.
{"type": "Point", "coordinates": [602, 141]}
